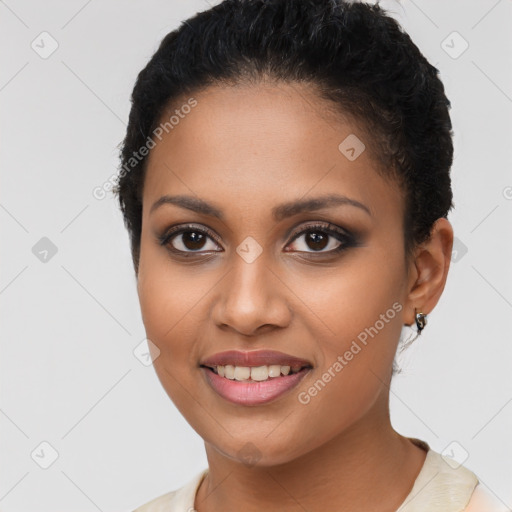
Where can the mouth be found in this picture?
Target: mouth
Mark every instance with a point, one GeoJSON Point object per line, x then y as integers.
{"type": "Point", "coordinates": [253, 378]}
{"type": "Point", "coordinates": [255, 373]}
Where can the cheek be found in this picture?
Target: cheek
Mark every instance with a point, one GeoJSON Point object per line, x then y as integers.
{"type": "Point", "coordinates": [351, 380]}
{"type": "Point", "coordinates": [166, 311]}
{"type": "Point", "coordinates": [168, 317]}
{"type": "Point", "coordinates": [361, 306]}
{"type": "Point", "coordinates": [351, 298]}
{"type": "Point", "coordinates": [166, 296]}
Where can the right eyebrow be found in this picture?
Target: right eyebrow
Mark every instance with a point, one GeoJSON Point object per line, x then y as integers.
{"type": "Point", "coordinates": [190, 203]}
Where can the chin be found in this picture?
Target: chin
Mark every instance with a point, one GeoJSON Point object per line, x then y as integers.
{"type": "Point", "coordinates": [258, 449]}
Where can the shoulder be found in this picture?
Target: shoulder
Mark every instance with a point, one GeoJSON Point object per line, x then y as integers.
{"type": "Point", "coordinates": [483, 501]}
{"type": "Point", "coordinates": [158, 504]}
{"type": "Point", "coordinates": [444, 484]}
{"type": "Point", "coordinates": [179, 500]}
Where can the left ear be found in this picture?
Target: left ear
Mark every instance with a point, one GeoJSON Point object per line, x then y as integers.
{"type": "Point", "coordinates": [429, 270]}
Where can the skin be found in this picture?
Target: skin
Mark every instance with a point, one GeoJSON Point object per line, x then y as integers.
{"type": "Point", "coordinates": [247, 149]}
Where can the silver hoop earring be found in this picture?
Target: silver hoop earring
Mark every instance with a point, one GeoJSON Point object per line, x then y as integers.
{"type": "Point", "coordinates": [421, 320]}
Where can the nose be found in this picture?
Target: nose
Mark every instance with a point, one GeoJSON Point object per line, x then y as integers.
{"type": "Point", "coordinates": [251, 299]}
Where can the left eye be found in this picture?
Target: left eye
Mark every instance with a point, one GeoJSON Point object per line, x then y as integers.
{"type": "Point", "coordinates": [318, 240]}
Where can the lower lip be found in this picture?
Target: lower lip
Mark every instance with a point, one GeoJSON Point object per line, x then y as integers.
{"type": "Point", "coordinates": [253, 392]}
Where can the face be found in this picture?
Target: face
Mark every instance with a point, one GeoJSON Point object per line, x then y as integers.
{"type": "Point", "coordinates": [265, 263]}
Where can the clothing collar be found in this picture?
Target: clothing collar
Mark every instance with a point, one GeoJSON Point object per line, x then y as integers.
{"type": "Point", "coordinates": [441, 484]}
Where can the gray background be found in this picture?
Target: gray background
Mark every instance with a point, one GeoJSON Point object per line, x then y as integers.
{"type": "Point", "coordinates": [71, 320]}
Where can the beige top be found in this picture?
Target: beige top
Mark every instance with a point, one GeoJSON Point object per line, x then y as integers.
{"type": "Point", "coordinates": [439, 487]}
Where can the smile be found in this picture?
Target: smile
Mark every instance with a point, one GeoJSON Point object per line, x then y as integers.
{"type": "Point", "coordinates": [255, 373]}
{"type": "Point", "coordinates": [253, 377]}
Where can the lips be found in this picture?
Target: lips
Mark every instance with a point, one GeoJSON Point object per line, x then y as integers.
{"type": "Point", "coordinates": [253, 378]}
{"type": "Point", "coordinates": [254, 358]}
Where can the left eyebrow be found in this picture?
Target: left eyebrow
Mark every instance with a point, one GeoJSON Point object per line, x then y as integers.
{"type": "Point", "coordinates": [291, 208]}
{"type": "Point", "coordinates": [280, 212]}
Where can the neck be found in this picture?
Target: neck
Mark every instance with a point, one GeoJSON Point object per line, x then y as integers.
{"type": "Point", "coordinates": [368, 467]}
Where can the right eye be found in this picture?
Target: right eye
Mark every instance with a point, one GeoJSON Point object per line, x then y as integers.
{"type": "Point", "coordinates": [189, 240]}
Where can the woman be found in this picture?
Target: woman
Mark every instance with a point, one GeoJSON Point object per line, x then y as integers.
{"type": "Point", "coordinates": [285, 184]}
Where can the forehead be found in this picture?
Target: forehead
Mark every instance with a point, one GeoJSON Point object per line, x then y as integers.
{"type": "Point", "coordinates": [260, 145]}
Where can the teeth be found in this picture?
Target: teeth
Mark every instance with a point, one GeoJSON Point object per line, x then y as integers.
{"type": "Point", "coordinates": [259, 373]}
{"type": "Point", "coordinates": [274, 370]}
{"type": "Point", "coordinates": [242, 372]}
{"type": "Point", "coordinates": [229, 371]}
{"type": "Point", "coordinates": [256, 373]}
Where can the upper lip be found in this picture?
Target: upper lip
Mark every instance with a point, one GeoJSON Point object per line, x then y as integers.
{"type": "Point", "coordinates": [253, 358]}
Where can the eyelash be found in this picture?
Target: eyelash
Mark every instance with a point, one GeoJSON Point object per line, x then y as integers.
{"type": "Point", "coordinates": [347, 240]}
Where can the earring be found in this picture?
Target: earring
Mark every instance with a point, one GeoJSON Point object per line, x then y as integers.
{"type": "Point", "coordinates": [421, 320]}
